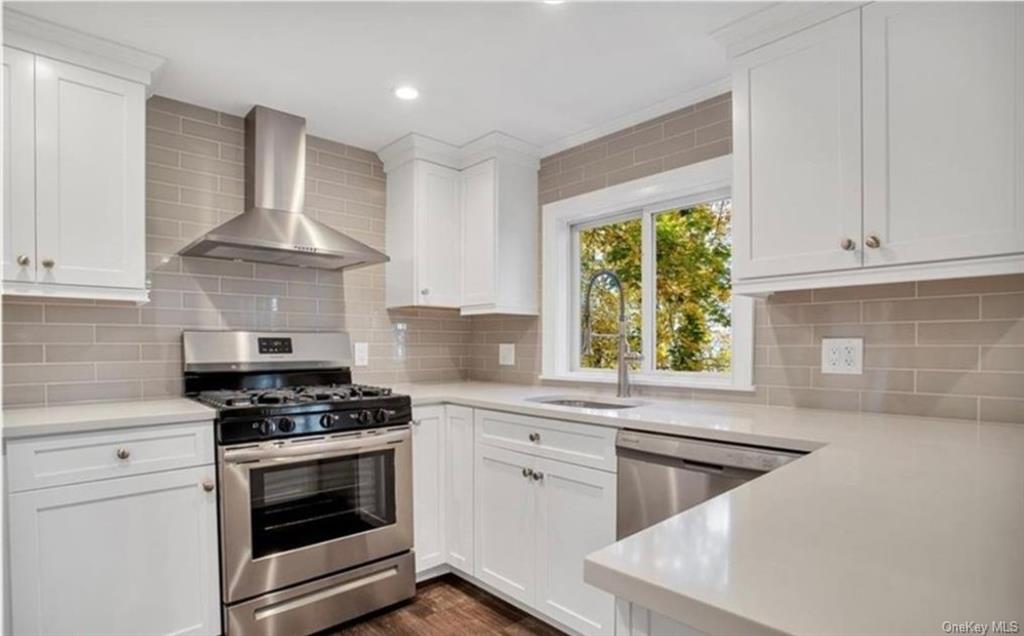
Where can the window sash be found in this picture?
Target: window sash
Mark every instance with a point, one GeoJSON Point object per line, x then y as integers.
{"type": "Point", "coordinates": [648, 283]}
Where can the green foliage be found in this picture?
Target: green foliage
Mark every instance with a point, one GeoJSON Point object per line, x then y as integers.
{"type": "Point", "coordinates": [692, 315]}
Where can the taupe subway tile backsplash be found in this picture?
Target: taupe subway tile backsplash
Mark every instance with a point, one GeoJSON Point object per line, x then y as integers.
{"type": "Point", "coordinates": [952, 348]}
{"type": "Point", "coordinates": [61, 351]}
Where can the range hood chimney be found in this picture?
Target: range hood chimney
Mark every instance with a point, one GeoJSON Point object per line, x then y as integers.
{"type": "Point", "coordinates": [273, 228]}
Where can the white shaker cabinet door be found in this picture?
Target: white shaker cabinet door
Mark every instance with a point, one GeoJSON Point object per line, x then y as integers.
{"type": "Point", "coordinates": [458, 488]}
{"type": "Point", "coordinates": [90, 162]}
{"type": "Point", "coordinates": [19, 249]}
{"type": "Point", "coordinates": [506, 522]}
{"type": "Point", "coordinates": [479, 234]}
{"type": "Point", "coordinates": [797, 184]}
{"type": "Point", "coordinates": [130, 556]}
{"type": "Point", "coordinates": [575, 516]}
{"type": "Point", "coordinates": [943, 130]}
{"type": "Point", "coordinates": [437, 218]}
{"type": "Point", "coordinates": [428, 486]}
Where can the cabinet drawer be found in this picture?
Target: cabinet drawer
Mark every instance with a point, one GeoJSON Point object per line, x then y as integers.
{"type": "Point", "coordinates": [583, 444]}
{"type": "Point", "coordinates": [42, 462]}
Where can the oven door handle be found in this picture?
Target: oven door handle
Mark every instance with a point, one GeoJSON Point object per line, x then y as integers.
{"type": "Point", "coordinates": [321, 450]}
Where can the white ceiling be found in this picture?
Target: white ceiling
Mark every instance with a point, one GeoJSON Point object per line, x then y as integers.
{"type": "Point", "coordinates": [539, 72]}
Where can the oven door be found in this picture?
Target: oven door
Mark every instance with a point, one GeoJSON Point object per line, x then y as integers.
{"type": "Point", "coordinates": [294, 511]}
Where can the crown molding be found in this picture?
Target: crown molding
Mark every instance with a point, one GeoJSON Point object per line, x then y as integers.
{"type": "Point", "coordinates": [682, 100]}
{"type": "Point", "coordinates": [490, 146]}
{"type": "Point", "coordinates": [775, 21]}
{"type": "Point", "coordinates": [31, 34]}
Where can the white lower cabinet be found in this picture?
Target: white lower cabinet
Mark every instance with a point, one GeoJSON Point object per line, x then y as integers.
{"type": "Point", "coordinates": [428, 461]}
{"type": "Point", "coordinates": [506, 531]}
{"type": "Point", "coordinates": [536, 520]}
{"type": "Point", "coordinates": [133, 555]}
{"type": "Point", "coordinates": [520, 521]}
{"type": "Point", "coordinates": [575, 516]}
{"type": "Point", "coordinates": [459, 488]}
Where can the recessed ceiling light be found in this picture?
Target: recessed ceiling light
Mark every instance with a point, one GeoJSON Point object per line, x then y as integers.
{"type": "Point", "coordinates": [407, 93]}
{"type": "Point", "coordinates": [554, 1]}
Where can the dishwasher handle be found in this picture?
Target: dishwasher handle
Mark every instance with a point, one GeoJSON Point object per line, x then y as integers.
{"type": "Point", "coordinates": [703, 455]}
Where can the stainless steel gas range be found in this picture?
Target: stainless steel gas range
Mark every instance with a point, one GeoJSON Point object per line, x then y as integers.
{"type": "Point", "coordinates": [315, 480]}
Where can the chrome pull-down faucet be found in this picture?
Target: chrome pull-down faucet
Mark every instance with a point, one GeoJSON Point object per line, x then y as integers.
{"type": "Point", "coordinates": [625, 355]}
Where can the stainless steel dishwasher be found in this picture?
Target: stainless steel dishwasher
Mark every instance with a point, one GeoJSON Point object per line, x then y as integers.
{"type": "Point", "coordinates": [662, 475]}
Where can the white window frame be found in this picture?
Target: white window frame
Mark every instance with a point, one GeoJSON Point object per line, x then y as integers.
{"type": "Point", "coordinates": [645, 197]}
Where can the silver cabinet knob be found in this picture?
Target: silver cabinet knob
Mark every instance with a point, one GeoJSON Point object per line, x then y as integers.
{"type": "Point", "coordinates": [534, 437]}
{"type": "Point", "coordinates": [23, 260]}
{"type": "Point", "coordinates": [48, 263]}
{"type": "Point", "coordinates": [424, 291]}
{"type": "Point", "coordinates": [415, 422]}
{"type": "Point", "coordinates": [848, 244]}
{"type": "Point", "coordinates": [873, 241]}
{"type": "Point", "coordinates": [208, 484]}
{"type": "Point", "coordinates": [538, 476]}
{"type": "Point", "coordinates": [527, 473]}
{"type": "Point", "coordinates": [123, 453]}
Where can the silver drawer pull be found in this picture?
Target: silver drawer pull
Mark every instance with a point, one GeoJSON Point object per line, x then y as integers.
{"type": "Point", "coordinates": [538, 476]}
{"type": "Point", "coordinates": [208, 484]}
{"type": "Point", "coordinates": [49, 263]}
{"type": "Point", "coordinates": [873, 241]}
{"type": "Point", "coordinates": [123, 453]}
{"type": "Point", "coordinates": [848, 244]}
{"type": "Point", "coordinates": [24, 260]}
{"type": "Point", "coordinates": [527, 473]}
{"type": "Point", "coordinates": [534, 437]}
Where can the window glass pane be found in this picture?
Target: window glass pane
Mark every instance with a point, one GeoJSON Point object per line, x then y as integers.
{"type": "Point", "coordinates": [615, 247]}
{"type": "Point", "coordinates": [301, 504]}
{"type": "Point", "coordinates": [693, 303]}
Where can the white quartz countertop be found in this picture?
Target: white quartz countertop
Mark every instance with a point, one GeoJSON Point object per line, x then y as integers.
{"type": "Point", "coordinates": [53, 420]}
{"type": "Point", "coordinates": [894, 525]}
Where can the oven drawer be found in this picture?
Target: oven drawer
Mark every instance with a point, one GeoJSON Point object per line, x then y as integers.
{"type": "Point", "coordinates": [312, 607]}
{"type": "Point", "coordinates": [584, 444]}
{"type": "Point", "coordinates": [56, 460]}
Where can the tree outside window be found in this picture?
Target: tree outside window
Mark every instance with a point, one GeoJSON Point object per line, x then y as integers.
{"type": "Point", "coordinates": [691, 252]}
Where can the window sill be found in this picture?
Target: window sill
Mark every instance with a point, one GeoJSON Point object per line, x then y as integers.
{"type": "Point", "coordinates": [713, 383]}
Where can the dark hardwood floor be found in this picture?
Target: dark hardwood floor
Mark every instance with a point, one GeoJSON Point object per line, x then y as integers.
{"type": "Point", "coordinates": [444, 606]}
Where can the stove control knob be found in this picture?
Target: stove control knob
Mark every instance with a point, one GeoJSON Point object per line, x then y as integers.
{"type": "Point", "coordinates": [383, 415]}
{"type": "Point", "coordinates": [267, 427]}
{"type": "Point", "coordinates": [327, 420]}
{"type": "Point", "coordinates": [366, 418]}
{"type": "Point", "coordinates": [286, 425]}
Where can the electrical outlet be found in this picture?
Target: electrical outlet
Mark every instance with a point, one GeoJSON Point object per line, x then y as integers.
{"type": "Point", "coordinates": [842, 356]}
{"type": "Point", "coordinates": [506, 354]}
{"type": "Point", "coordinates": [362, 354]}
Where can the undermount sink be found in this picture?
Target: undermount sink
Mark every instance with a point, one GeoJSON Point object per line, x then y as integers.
{"type": "Point", "coordinates": [607, 404]}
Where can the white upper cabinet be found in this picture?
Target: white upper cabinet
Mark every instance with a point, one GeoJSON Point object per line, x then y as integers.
{"type": "Point", "coordinates": [500, 223]}
{"type": "Point", "coordinates": [927, 97]}
{"type": "Point", "coordinates": [90, 178]}
{"type": "Point", "coordinates": [796, 108]}
{"type": "Point", "coordinates": [19, 173]}
{"type": "Point", "coordinates": [74, 147]}
{"type": "Point", "coordinates": [422, 220]}
{"type": "Point", "coordinates": [943, 130]}
{"type": "Point", "coordinates": [462, 225]}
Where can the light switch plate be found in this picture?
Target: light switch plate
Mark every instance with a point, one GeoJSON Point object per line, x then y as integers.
{"type": "Point", "coordinates": [362, 354]}
{"type": "Point", "coordinates": [842, 356]}
{"type": "Point", "coordinates": [506, 354]}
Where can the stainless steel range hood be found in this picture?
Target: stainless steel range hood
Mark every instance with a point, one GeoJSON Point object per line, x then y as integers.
{"type": "Point", "coordinates": [273, 229]}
